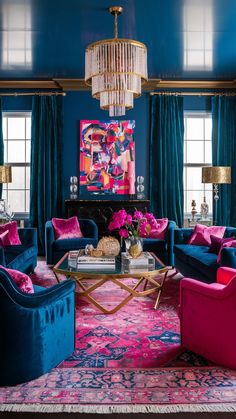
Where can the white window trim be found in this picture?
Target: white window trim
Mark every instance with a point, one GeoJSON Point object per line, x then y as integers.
{"type": "Point", "coordinates": [195, 114]}
{"type": "Point", "coordinates": [17, 114]}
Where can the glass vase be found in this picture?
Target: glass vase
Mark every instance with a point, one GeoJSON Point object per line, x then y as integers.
{"type": "Point", "coordinates": [134, 246]}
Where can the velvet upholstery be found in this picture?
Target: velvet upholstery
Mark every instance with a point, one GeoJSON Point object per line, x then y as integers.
{"type": "Point", "coordinates": [22, 257]}
{"type": "Point", "coordinates": [162, 248]}
{"type": "Point", "coordinates": [224, 154]}
{"type": "Point", "coordinates": [196, 261]}
{"type": "Point", "coordinates": [207, 317]}
{"type": "Point", "coordinates": [46, 162]}
{"type": "Point", "coordinates": [166, 157]}
{"type": "Point", "coordinates": [55, 249]}
{"type": "Point", "coordinates": [11, 228]}
{"type": "Point", "coordinates": [37, 330]}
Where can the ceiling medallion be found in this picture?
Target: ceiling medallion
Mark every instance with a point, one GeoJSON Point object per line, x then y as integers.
{"type": "Point", "coordinates": [116, 69]}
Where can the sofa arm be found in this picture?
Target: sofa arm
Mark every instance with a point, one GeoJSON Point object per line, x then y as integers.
{"type": "Point", "coordinates": [170, 242]}
{"type": "Point", "coordinates": [182, 235]}
{"type": "Point", "coordinates": [49, 239]}
{"type": "Point", "coordinates": [228, 257]}
{"type": "Point", "coordinates": [42, 298]}
{"type": "Point", "coordinates": [225, 275]}
{"type": "Point", "coordinates": [89, 228]}
{"type": "Point", "coordinates": [28, 236]}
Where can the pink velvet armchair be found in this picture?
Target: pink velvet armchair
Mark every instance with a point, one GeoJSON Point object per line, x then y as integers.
{"type": "Point", "coordinates": [208, 317]}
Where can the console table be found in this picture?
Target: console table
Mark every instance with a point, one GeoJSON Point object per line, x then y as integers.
{"type": "Point", "coordinates": [101, 210]}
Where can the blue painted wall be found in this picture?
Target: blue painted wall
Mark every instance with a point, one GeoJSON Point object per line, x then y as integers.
{"type": "Point", "coordinates": [80, 105]}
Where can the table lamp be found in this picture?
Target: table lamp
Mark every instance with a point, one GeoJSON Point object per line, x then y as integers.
{"type": "Point", "coordinates": [216, 175]}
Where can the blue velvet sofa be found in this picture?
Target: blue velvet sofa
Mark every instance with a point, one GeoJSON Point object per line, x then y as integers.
{"type": "Point", "coordinates": [55, 249]}
{"type": "Point", "coordinates": [196, 261]}
{"type": "Point", "coordinates": [164, 249]}
{"type": "Point", "coordinates": [22, 257]}
{"type": "Point", "coordinates": [37, 331]}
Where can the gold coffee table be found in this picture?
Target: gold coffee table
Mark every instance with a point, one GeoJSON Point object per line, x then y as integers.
{"type": "Point", "coordinates": [101, 276]}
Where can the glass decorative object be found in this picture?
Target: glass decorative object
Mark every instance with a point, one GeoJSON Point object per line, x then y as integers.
{"type": "Point", "coordinates": [140, 187]}
{"type": "Point", "coordinates": [73, 187]}
{"type": "Point", "coordinates": [134, 246]}
{"type": "Point", "coordinates": [116, 69]}
{"type": "Point", "coordinates": [204, 209]}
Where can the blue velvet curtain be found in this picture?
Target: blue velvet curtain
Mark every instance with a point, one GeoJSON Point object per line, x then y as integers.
{"type": "Point", "coordinates": [1, 144]}
{"type": "Point", "coordinates": [224, 154]}
{"type": "Point", "coordinates": [166, 157]}
{"type": "Point", "coordinates": [46, 162]}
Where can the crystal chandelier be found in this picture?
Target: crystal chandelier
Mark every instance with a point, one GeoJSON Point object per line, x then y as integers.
{"type": "Point", "coordinates": [116, 69]}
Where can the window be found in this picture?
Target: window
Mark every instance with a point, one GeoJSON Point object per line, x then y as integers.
{"type": "Point", "coordinates": [197, 153]}
{"type": "Point", "coordinates": [17, 144]}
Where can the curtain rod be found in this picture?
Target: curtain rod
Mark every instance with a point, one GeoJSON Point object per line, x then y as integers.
{"type": "Point", "coordinates": [194, 93]}
{"type": "Point", "coordinates": [34, 94]}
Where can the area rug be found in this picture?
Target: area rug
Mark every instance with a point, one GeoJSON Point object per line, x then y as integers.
{"type": "Point", "coordinates": [130, 361]}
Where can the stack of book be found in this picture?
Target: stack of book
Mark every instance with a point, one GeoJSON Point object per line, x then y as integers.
{"type": "Point", "coordinates": [77, 259]}
{"type": "Point", "coordinates": [144, 262]}
{"type": "Point", "coordinates": [98, 263]}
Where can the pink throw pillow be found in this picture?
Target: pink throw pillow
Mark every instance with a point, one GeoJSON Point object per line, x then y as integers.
{"type": "Point", "coordinates": [159, 231]}
{"type": "Point", "coordinates": [22, 280]}
{"type": "Point", "coordinates": [231, 243]}
{"type": "Point", "coordinates": [201, 234]}
{"type": "Point", "coordinates": [66, 229]}
{"type": "Point", "coordinates": [4, 239]}
{"type": "Point", "coordinates": [13, 235]}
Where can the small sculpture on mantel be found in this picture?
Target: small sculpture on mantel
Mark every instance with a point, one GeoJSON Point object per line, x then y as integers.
{"type": "Point", "coordinates": [204, 209]}
{"type": "Point", "coordinates": [194, 211]}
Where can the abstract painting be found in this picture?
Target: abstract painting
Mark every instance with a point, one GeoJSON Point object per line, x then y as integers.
{"type": "Point", "coordinates": [107, 157]}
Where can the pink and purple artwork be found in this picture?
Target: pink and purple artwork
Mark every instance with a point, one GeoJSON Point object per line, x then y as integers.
{"type": "Point", "coordinates": [107, 157]}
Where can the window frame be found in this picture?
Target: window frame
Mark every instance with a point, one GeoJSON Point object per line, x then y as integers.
{"type": "Point", "coordinates": [17, 114]}
{"type": "Point", "coordinates": [195, 114]}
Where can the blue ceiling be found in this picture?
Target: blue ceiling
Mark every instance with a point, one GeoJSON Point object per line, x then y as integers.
{"type": "Point", "coordinates": [186, 39]}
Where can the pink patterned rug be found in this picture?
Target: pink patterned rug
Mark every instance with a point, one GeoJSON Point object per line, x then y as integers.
{"type": "Point", "coordinates": [130, 361]}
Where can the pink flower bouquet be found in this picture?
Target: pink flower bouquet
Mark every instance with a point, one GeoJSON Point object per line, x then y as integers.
{"type": "Point", "coordinates": [138, 225]}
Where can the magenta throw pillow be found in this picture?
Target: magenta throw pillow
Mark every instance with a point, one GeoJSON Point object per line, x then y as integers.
{"type": "Point", "coordinates": [4, 239]}
{"type": "Point", "coordinates": [201, 235]}
{"type": "Point", "coordinates": [13, 235]}
{"type": "Point", "coordinates": [66, 229]}
{"type": "Point", "coordinates": [159, 230]}
{"type": "Point", "coordinates": [230, 243]}
{"type": "Point", "coordinates": [22, 280]}
{"type": "Point", "coordinates": [217, 242]}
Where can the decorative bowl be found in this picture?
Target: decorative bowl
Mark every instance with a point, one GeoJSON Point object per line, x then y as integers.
{"type": "Point", "coordinates": [109, 246]}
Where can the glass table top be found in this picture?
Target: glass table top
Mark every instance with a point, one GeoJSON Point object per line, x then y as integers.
{"type": "Point", "coordinates": [117, 269]}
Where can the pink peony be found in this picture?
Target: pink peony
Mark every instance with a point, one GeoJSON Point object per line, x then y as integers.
{"type": "Point", "coordinates": [129, 219]}
{"type": "Point", "coordinates": [123, 233]}
{"type": "Point", "coordinates": [138, 215]}
{"type": "Point", "coordinates": [113, 225]}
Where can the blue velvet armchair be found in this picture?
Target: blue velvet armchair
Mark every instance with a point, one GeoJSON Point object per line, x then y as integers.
{"type": "Point", "coordinates": [55, 249]}
{"type": "Point", "coordinates": [164, 249]}
{"type": "Point", "coordinates": [37, 331]}
{"type": "Point", "coordinates": [22, 257]}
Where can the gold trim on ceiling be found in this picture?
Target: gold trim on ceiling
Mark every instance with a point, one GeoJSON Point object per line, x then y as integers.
{"type": "Point", "coordinates": [151, 84]}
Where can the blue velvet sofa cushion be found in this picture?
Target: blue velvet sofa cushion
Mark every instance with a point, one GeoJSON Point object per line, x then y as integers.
{"type": "Point", "coordinates": [183, 251]}
{"type": "Point", "coordinates": [70, 244]}
{"type": "Point", "coordinates": [196, 261]}
{"type": "Point", "coordinates": [37, 330]}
